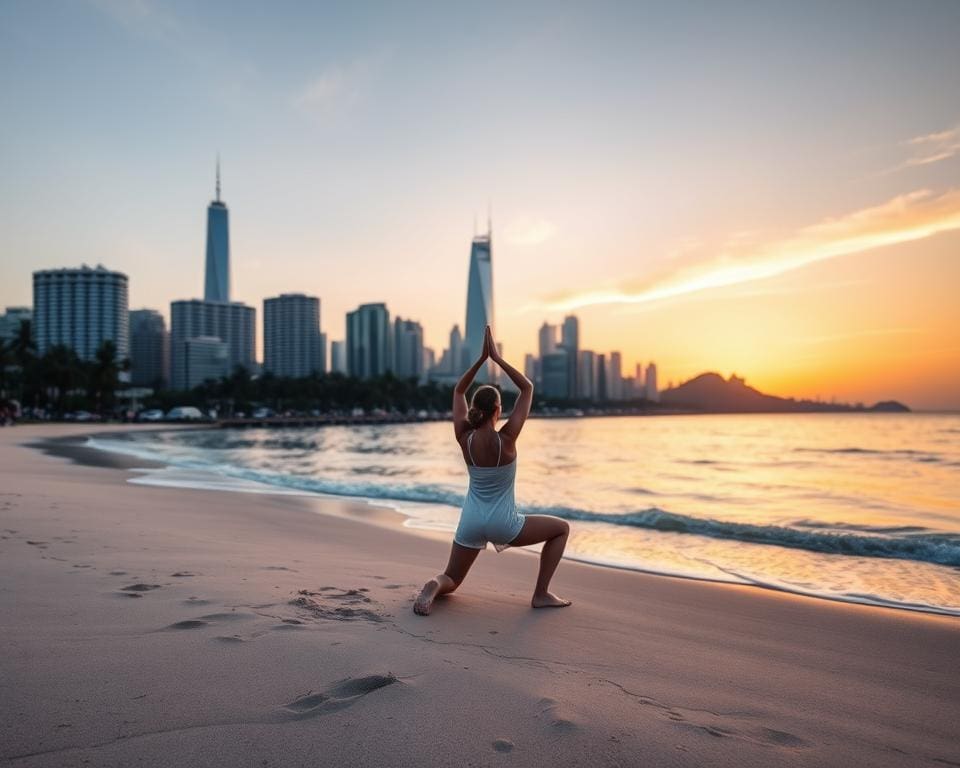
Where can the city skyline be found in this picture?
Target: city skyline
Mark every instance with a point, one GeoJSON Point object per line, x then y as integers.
{"type": "Point", "coordinates": [796, 225]}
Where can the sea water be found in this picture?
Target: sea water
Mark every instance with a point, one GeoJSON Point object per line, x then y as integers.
{"type": "Point", "coordinates": [857, 507]}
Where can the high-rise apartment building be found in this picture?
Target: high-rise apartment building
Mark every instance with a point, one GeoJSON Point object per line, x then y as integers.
{"type": "Point", "coordinates": [149, 349]}
{"type": "Point", "coordinates": [216, 285]}
{"type": "Point", "coordinates": [480, 301]}
{"type": "Point", "coordinates": [233, 323]}
{"type": "Point", "coordinates": [408, 349]}
{"type": "Point", "coordinates": [11, 319]}
{"type": "Point", "coordinates": [292, 343]}
{"type": "Point", "coordinates": [80, 308]}
{"type": "Point", "coordinates": [369, 341]}
{"type": "Point", "coordinates": [204, 358]}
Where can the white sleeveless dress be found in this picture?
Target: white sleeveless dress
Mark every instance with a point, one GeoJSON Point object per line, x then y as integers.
{"type": "Point", "coordinates": [490, 509]}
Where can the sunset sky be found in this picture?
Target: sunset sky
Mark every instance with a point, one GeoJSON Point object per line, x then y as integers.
{"type": "Point", "coordinates": [765, 189]}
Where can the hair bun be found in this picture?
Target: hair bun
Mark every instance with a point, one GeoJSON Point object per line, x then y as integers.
{"type": "Point", "coordinates": [475, 417]}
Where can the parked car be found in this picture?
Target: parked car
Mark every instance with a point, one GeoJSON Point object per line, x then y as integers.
{"type": "Point", "coordinates": [154, 414]}
{"type": "Point", "coordinates": [184, 413]}
{"type": "Point", "coordinates": [263, 413]}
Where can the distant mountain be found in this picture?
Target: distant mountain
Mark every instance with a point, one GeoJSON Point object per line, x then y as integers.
{"type": "Point", "coordinates": [712, 393]}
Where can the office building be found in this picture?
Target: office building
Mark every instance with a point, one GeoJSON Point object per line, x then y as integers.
{"type": "Point", "coordinates": [480, 302]}
{"type": "Point", "coordinates": [149, 349]}
{"type": "Point", "coordinates": [547, 339]}
{"type": "Point", "coordinates": [408, 349]}
{"type": "Point", "coordinates": [10, 322]}
{"type": "Point", "coordinates": [292, 343]}
{"type": "Point", "coordinates": [650, 383]}
{"type": "Point", "coordinates": [205, 358]}
{"type": "Point", "coordinates": [217, 277]}
{"type": "Point", "coordinates": [338, 357]}
{"type": "Point", "coordinates": [614, 377]}
{"type": "Point", "coordinates": [369, 341]}
{"type": "Point", "coordinates": [554, 374]}
{"type": "Point", "coordinates": [602, 392]}
{"type": "Point", "coordinates": [570, 341]}
{"type": "Point", "coordinates": [587, 375]}
{"type": "Point", "coordinates": [233, 323]}
{"type": "Point", "coordinates": [80, 308]}
{"type": "Point", "coordinates": [530, 367]}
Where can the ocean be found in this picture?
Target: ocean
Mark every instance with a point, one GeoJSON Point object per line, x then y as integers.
{"type": "Point", "coordinates": [855, 507]}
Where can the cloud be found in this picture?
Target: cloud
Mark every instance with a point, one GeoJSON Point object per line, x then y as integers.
{"type": "Point", "coordinates": [530, 231]}
{"type": "Point", "coordinates": [912, 216]}
{"type": "Point", "coordinates": [141, 18]}
{"type": "Point", "coordinates": [337, 89]}
{"type": "Point", "coordinates": [930, 148]}
{"type": "Point", "coordinates": [867, 332]}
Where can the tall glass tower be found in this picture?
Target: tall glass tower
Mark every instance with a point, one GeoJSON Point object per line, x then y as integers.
{"type": "Point", "coordinates": [480, 300]}
{"type": "Point", "coordinates": [217, 282]}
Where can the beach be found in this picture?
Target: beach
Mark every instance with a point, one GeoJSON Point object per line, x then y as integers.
{"type": "Point", "coordinates": [167, 626]}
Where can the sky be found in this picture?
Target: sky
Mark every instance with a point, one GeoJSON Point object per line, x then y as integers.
{"type": "Point", "coordinates": [766, 189]}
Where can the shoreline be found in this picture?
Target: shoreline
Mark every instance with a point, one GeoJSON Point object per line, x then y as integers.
{"type": "Point", "coordinates": [384, 511]}
{"type": "Point", "coordinates": [261, 631]}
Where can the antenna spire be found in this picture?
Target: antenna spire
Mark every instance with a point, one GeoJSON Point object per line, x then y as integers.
{"type": "Point", "coordinates": [489, 219]}
{"type": "Point", "coordinates": [218, 177]}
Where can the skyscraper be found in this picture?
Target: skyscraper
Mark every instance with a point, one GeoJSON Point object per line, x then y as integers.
{"type": "Point", "coordinates": [570, 340]}
{"type": "Point", "coordinates": [292, 343]}
{"type": "Point", "coordinates": [233, 323]}
{"type": "Point", "coordinates": [480, 300]}
{"type": "Point", "coordinates": [614, 377]}
{"type": "Point", "coordinates": [650, 388]}
{"type": "Point", "coordinates": [149, 349]}
{"type": "Point", "coordinates": [338, 357]}
{"type": "Point", "coordinates": [217, 281]}
{"type": "Point", "coordinates": [547, 339]}
{"type": "Point", "coordinates": [554, 372]}
{"type": "Point", "coordinates": [587, 375]}
{"type": "Point", "coordinates": [369, 341]}
{"type": "Point", "coordinates": [408, 349]}
{"type": "Point", "coordinates": [80, 308]}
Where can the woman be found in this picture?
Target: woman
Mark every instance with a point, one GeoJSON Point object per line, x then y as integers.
{"type": "Point", "coordinates": [489, 511]}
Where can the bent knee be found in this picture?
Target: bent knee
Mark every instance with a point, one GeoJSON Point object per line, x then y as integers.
{"type": "Point", "coordinates": [563, 527]}
{"type": "Point", "coordinates": [452, 583]}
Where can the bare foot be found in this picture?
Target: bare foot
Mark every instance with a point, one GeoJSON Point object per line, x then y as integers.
{"type": "Point", "coordinates": [424, 601]}
{"type": "Point", "coordinates": [549, 600]}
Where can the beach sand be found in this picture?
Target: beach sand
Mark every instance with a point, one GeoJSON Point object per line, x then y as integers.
{"type": "Point", "coordinates": [167, 627]}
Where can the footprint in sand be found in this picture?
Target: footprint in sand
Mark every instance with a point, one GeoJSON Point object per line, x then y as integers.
{"type": "Point", "coordinates": [182, 574]}
{"type": "Point", "coordinates": [196, 601]}
{"type": "Point", "coordinates": [37, 544]}
{"type": "Point", "coordinates": [279, 568]}
{"type": "Point", "coordinates": [140, 587]}
{"type": "Point", "coordinates": [210, 618]}
{"type": "Point", "coordinates": [503, 745]}
{"type": "Point", "coordinates": [338, 696]}
{"type": "Point", "coordinates": [337, 604]}
{"type": "Point", "coordinates": [554, 714]}
{"type": "Point", "coordinates": [118, 573]}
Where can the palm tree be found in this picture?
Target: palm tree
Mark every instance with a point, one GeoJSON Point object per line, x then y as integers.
{"type": "Point", "coordinates": [61, 371]}
{"type": "Point", "coordinates": [104, 377]}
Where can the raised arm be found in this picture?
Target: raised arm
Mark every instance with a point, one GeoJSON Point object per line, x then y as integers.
{"type": "Point", "coordinates": [460, 408]}
{"type": "Point", "coordinates": [521, 409]}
